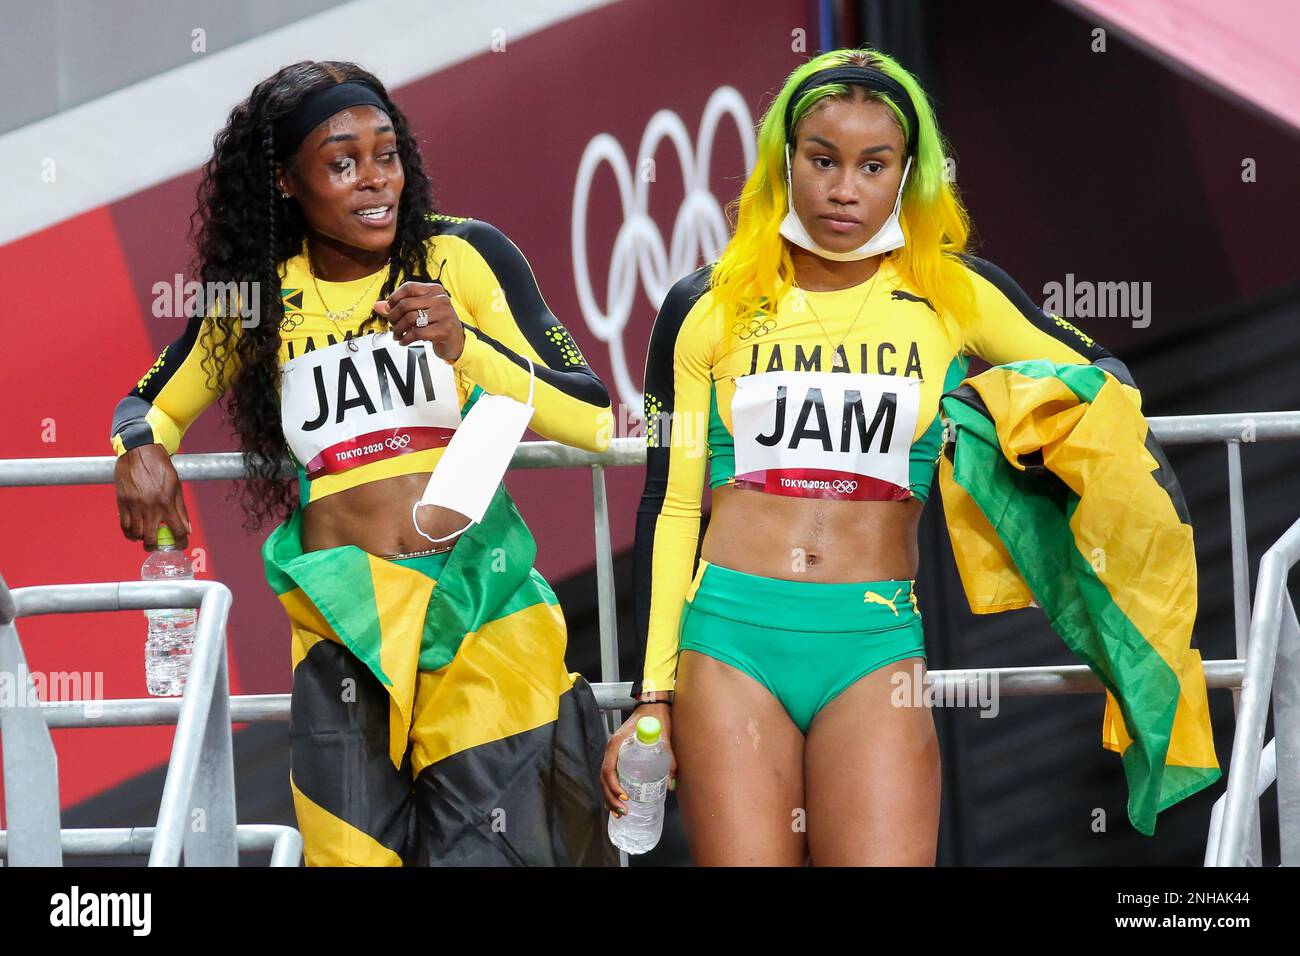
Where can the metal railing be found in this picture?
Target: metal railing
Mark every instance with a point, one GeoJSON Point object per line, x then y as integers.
{"type": "Point", "coordinates": [197, 812]}
{"type": "Point", "coordinates": [284, 843]}
{"type": "Point", "coordinates": [1272, 664]}
{"type": "Point", "coordinates": [1234, 833]}
{"type": "Point", "coordinates": [1266, 649]}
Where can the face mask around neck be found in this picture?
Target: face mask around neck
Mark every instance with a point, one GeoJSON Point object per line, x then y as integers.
{"type": "Point", "coordinates": [888, 236]}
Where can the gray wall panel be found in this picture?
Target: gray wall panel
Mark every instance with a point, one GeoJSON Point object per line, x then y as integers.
{"type": "Point", "coordinates": [55, 54]}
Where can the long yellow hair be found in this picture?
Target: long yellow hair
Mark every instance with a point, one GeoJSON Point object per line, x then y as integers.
{"type": "Point", "coordinates": [755, 266]}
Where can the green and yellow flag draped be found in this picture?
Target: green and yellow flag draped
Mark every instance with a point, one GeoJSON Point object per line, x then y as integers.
{"type": "Point", "coordinates": [1056, 496]}
{"type": "Point", "coordinates": [482, 718]}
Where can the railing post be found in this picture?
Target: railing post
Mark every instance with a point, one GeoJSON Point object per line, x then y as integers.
{"type": "Point", "coordinates": [606, 607]}
{"type": "Point", "coordinates": [214, 843]}
{"type": "Point", "coordinates": [1286, 733]}
{"type": "Point", "coordinates": [1263, 780]}
{"type": "Point", "coordinates": [1242, 806]}
{"type": "Point", "coordinates": [1241, 601]}
{"type": "Point", "coordinates": [31, 767]}
{"type": "Point", "coordinates": [195, 777]}
{"type": "Point", "coordinates": [1240, 557]}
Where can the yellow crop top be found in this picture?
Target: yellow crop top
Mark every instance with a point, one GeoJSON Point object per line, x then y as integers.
{"type": "Point", "coordinates": [691, 370]}
{"type": "Point", "coordinates": [506, 323]}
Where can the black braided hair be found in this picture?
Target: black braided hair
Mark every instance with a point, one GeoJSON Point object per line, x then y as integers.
{"type": "Point", "coordinates": [243, 231]}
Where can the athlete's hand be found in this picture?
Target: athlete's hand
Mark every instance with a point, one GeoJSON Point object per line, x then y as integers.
{"type": "Point", "coordinates": [149, 494]}
{"type": "Point", "coordinates": [615, 798]}
{"type": "Point", "coordinates": [444, 329]}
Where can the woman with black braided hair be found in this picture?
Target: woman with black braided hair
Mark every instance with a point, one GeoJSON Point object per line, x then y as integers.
{"type": "Point", "coordinates": [433, 719]}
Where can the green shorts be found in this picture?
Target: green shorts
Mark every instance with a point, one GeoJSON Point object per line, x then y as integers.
{"type": "Point", "coordinates": [805, 641]}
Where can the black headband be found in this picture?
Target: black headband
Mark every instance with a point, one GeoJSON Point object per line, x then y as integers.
{"type": "Point", "coordinates": [859, 76]}
{"type": "Point", "coordinates": [318, 106]}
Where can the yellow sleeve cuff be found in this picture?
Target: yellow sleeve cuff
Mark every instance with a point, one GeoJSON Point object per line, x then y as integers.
{"type": "Point", "coordinates": [472, 353]}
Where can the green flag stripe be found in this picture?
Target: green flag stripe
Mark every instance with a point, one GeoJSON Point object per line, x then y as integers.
{"type": "Point", "coordinates": [1031, 517]}
{"type": "Point", "coordinates": [1084, 380]}
{"type": "Point", "coordinates": [487, 576]}
{"type": "Point", "coordinates": [435, 653]}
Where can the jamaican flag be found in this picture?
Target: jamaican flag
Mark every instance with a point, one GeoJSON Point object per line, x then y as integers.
{"type": "Point", "coordinates": [1057, 496]}
{"type": "Point", "coordinates": [433, 720]}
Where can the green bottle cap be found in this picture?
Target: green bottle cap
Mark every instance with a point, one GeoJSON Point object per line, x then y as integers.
{"type": "Point", "coordinates": [165, 538]}
{"type": "Point", "coordinates": [648, 730]}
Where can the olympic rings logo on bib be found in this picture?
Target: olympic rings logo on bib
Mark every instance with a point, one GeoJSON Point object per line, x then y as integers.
{"type": "Point", "coordinates": [844, 487]}
{"type": "Point", "coordinates": [398, 442]}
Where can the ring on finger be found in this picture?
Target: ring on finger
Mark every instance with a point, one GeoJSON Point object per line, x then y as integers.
{"type": "Point", "coordinates": [421, 318]}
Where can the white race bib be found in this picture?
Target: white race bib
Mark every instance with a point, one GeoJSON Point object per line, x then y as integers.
{"type": "Point", "coordinates": [825, 434]}
{"type": "Point", "coordinates": [341, 408]}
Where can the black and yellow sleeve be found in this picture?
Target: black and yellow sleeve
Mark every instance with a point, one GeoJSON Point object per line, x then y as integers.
{"type": "Point", "coordinates": [1008, 327]}
{"type": "Point", "coordinates": [678, 384]}
{"type": "Point", "coordinates": [510, 322]}
{"type": "Point", "coordinates": [172, 394]}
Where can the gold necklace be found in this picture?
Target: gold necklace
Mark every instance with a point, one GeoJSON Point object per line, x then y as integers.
{"type": "Point", "coordinates": [344, 314]}
{"type": "Point", "coordinates": [840, 361]}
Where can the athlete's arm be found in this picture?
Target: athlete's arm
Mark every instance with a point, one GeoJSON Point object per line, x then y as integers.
{"type": "Point", "coordinates": [147, 428]}
{"type": "Point", "coordinates": [1008, 327]}
{"type": "Point", "coordinates": [512, 321]}
{"type": "Point", "coordinates": [172, 394]}
{"type": "Point", "coordinates": [678, 380]}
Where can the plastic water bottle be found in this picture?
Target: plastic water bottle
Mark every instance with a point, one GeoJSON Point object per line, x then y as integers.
{"type": "Point", "coordinates": [643, 774]}
{"type": "Point", "coordinates": [170, 642]}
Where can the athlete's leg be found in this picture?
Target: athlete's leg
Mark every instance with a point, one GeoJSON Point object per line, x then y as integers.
{"type": "Point", "coordinates": [872, 772]}
{"type": "Point", "coordinates": [739, 768]}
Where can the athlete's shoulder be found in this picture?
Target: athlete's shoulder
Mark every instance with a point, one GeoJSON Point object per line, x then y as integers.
{"type": "Point", "coordinates": [483, 236]}
{"type": "Point", "coordinates": [994, 290]}
{"type": "Point", "coordinates": [993, 285]}
{"type": "Point", "coordinates": [687, 292]}
{"type": "Point", "coordinates": [990, 274]}
{"type": "Point", "coordinates": [687, 311]}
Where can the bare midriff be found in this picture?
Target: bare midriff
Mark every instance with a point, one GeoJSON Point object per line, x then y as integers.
{"type": "Point", "coordinates": [376, 517]}
{"type": "Point", "coordinates": [812, 539]}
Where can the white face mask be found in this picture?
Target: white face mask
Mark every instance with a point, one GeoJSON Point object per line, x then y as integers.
{"type": "Point", "coordinates": [469, 471]}
{"type": "Point", "coordinates": [888, 236]}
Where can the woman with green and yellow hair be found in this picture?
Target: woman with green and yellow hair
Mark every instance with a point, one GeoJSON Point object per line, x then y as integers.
{"type": "Point", "coordinates": [813, 354]}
